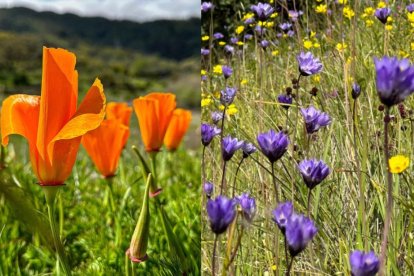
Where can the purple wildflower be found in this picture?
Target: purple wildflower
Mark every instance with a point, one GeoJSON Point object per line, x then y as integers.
{"type": "Point", "coordinates": [285, 27]}
{"type": "Point", "coordinates": [264, 43]}
{"type": "Point", "coordinates": [207, 133]}
{"type": "Point", "coordinates": [208, 188]}
{"type": "Point", "coordinates": [395, 80]}
{"type": "Point", "coordinates": [227, 71]}
{"type": "Point", "coordinates": [313, 172]}
{"type": "Point", "coordinates": [263, 11]}
{"type": "Point", "coordinates": [308, 64]}
{"type": "Point", "coordinates": [227, 96]}
{"type": "Point", "coordinates": [273, 145]}
{"type": "Point", "coordinates": [221, 213]}
{"type": "Point", "coordinates": [300, 230]}
{"type": "Point", "coordinates": [248, 205]}
{"type": "Point", "coordinates": [282, 213]}
{"type": "Point", "coordinates": [205, 52]}
{"type": "Point", "coordinates": [382, 14]}
{"type": "Point", "coordinates": [218, 36]}
{"type": "Point", "coordinates": [229, 49]}
{"type": "Point", "coordinates": [229, 146]}
{"type": "Point", "coordinates": [314, 119]}
{"type": "Point", "coordinates": [206, 6]}
{"type": "Point", "coordinates": [234, 40]}
{"type": "Point", "coordinates": [410, 8]}
{"type": "Point", "coordinates": [285, 100]}
{"type": "Point", "coordinates": [356, 90]}
{"type": "Point", "coordinates": [248, 148]}
{"type": "Point", "coordinates": [216, 117]}
{"type": "Point", "coordinates": [364, 264]}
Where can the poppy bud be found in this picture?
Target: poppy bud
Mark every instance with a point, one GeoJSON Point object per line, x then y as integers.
{"type": "Point", "coordinates": [137, 251]}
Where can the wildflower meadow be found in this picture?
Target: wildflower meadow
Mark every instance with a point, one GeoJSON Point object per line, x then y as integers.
{"type": "Point", "coordinates": [308, 136]}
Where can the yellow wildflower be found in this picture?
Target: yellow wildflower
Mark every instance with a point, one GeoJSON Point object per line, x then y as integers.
{"type": "Point", "coordinates": [206, 102]}
{"type": "Point", "coordinates": [412, 46]}
{"type": "Point", "coordinates": [389, 19]}
{"type": "Point", "coordinates": [240, 43]}
{"type": "Point", "coordinates": [368, 12]}
{"type": "Point", "coordinates": [388, 27]}
{"type": "Point", "coordinates": [322, 8]}
{"type": "Point", "coordinates": [410, 17]}
{"type": "Point", "coordinates": [307, 44]}
{"type": "Point", "coordinates": [343, 2]}
{"type": "Point", "coordinates": [369, 22]}
{"type": "Point", "coordinates": [231, 109]}
{"type": "Point", "coordinates": [276, 52]}
{"type": "Point", "coordinates": [269, 24]}
{"type": "Point", "coordinates": [218, 70]}
{"type": "Point", "coordinates": [222, 43]}
{"type": "Point", "coordinates": [203, 72]}
{"type": "Point", "coordinates": [239, 29]}
{"type": "Point", "coordinates": [316, 79]}
{"type": "Point", "coordinates": [381, 4]}
{"type": "Point", "coordinates": [275, 14]}
{"type": "Point", "coordinates": [247, 16]}
{"type": "Point", "coordinates": [403, 54]}
{"type": "Point", "coordinates": [398, 163]}
{"type": "Point", "coordinates": [312, 34]}
{"type": "Point", "coordinates": [341, 47]}
{"type": "Point", "coordinates": [316, 45]}
{"type": "Point", "coordinates": [348, 12]}
{"type": "Point", "coordinates": [243, 82]}
{"type": "Point", "coordinates": [205, 38]}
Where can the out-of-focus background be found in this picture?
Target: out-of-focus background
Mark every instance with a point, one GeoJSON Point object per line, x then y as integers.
{"type": "Point", "coordinates": [133, 46]}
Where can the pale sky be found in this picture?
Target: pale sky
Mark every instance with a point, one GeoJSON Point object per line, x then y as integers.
{"type": "Point", "coordinates": [135, 10]}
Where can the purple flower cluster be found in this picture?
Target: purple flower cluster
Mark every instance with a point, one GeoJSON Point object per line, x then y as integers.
{"type": "Point", "coordinates": [262, 10]}
{"type": "Point", "coordinates": [207, 133]}
{"type": "Point", "coordinates": [314, 119]}
{"type": "Point", "coordinates": [248, 149]}
{"type": "Point", "coordinates": [285, 100]}
{"type": "Point", "coordinates": [273, 145]}
{"type": "Point", "coordinates": [356, 90]}
{"type": "Point", "coordinates": [229, 146]}
{"type": "Point", "coordinates": [208, 188]}
{"type": "Point", "coordinates": [298, 229]}
{"type": "Point", "coordinates": [313, 172]}
{"type": "Point", "coordinates": [308, 64]}
{"type": "Point", "coordinates": [206, 6]}
{"type": "Point", "coordinates": [227, 96]}
{"type": "Point", "coordinates": [382, 14]}
{"type": "Point", "coordinates": [216, 117]}
{"type": "Point", "coordinates": [395, 80]}
{"type": "Point", "coordinates": [227, 71]}
{"type": "Point", "coordinates": [248, 206]}
{"type": "Point", "coordinates": [221, 212]}
{"type": "Point", "coordinates": [410, 8]}
{"type": "Point", "coordinates": [364, 264]}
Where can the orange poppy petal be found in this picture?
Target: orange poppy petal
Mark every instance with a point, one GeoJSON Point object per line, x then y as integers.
{"type": "Point", "coordinates": [177, 128]}
{"type": "Point", "coordinates": [165, 110]}
{"type": "Point", "coordinates": [119, 111]}
{"type": "Point", "coordinates": [59, 95]}
{"type": "Point", "coordinates": [20, 115]}
{"type": "Point", "coordinates": [88, 117]}
{"type": "Point", "coordinates": [104, 145]}
{"type": "Point", "coordinates": [148, 123]}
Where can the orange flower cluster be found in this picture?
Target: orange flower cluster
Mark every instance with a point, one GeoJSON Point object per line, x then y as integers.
{"type": "Point", "coordinates": [54, 126]}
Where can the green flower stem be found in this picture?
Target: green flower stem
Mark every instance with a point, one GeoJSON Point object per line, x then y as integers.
{"type": "Point", "coordinates": [50, 194]}
{"type": "Point", "coordinates": [235, 176]}
{"type": "Point", "coordinates": [213, 262]}
{"type": "Point", "coordinates": [388, 211]}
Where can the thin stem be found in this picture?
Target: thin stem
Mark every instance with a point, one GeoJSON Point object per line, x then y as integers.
{"type": "Point", "coordinates": [274, 182]}
{"type": "Point", "coordinates": [290, 267]}
{"type": "Point", "coordinates": [213, 263]}
{"type": "Point", "coordinates": [223, 177]}
{"type": "Point", "coordinates": [222, 125]}
{"type": "Point", "coordinates": [234, 253]}
{"type": "Point", "coordinates": [309, 200]}
{"type": "Point", "coordinates": [286, 250]}
{"type": "Point", "coordinates": [235, 176]}
{"type": "Point", "coordinates": [50, 193]}
{"type": "Point", "coordinates": [203, 164]}
{"type": "Point", "coordinates": [388, 212]}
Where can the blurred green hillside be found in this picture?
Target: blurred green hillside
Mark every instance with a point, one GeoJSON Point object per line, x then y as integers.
{"type": "Point", "coordinates": [130, 58]}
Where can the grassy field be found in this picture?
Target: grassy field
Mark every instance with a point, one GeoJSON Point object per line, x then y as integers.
{"type": "Point", "coordinates": [348, 207]}
{"type": "Point", "coordinates": [96, 236]}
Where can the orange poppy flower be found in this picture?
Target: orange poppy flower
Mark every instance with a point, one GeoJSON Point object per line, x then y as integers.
{"type": "Point", "coordinates": [104, 145]}
{"type": "Point", "coordinates": [178, 126]}
{"type": "Point", "coordinates": [154, 112]}
{"type": "Point", "coordinates": [51, 122]}
{"type": "Point", "coordinates": [119, 111]}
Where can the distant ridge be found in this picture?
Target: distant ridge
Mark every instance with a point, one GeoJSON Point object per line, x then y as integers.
{"type": "Point", "coordinates": [173, 39]}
